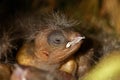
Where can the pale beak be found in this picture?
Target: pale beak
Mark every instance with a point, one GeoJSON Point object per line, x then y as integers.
{"type": "Point", "coordinates": [74, 41]}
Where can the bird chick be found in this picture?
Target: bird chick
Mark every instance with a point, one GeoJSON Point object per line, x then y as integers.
{"type": "Point", "coordinates": [46, 48]}
{"type": "Point", "coordinates": [47, 41]}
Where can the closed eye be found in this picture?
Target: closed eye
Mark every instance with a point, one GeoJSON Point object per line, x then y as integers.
{"type": "Point", "coordinates": [56, 38]}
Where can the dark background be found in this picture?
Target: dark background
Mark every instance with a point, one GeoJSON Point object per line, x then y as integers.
{"type": "Point", "coordinates": [98, 13]}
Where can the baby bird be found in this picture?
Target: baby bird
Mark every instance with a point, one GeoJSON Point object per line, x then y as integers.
{"type": "Point", "coordinates": [41, 41]}
{"type": "Point", "coordinates": [51, 45]}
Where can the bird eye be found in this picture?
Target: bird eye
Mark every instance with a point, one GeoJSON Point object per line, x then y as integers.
{"type": "Point", "coordinates": [56, 38]}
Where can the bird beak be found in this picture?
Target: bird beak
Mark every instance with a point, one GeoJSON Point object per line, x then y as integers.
{"type": "Point", "coordinates": [74, 41]}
